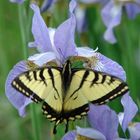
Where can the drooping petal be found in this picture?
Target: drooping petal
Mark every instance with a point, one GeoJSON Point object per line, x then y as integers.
{"type": "Point", "coordinates": [130, 110]}
{"type": "Point", "coordinates": [104, 120]}
{"type": "Point", "coordinates": [69, 136]}
{"type": "Point", "coordinates": [17, 1]}
{"type": "Point", "coordinates": [134, 130]}
{"type": "Point", "coordinates": [111, 67]}
{"type": "Point", "coordinates": [40, 31]}
{"type": "Point", "coordinates": [109, 35]}
{"type": "Point", "coordinates": [18, 100]}
{"type": "Point", "coordinates": [21, 110]}
{"type": "Point", "coordinates": [132, 10]}
{"type": "Point", "coordinates": [111, 15]}
{"type": "Point", "coordinates": [64, 35]}
{"type": "Point", "coordinates": [90, 133]}
{"type": "Point", "coordinates": [42, 58]}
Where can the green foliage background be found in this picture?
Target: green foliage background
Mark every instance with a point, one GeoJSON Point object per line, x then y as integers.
{"type": "Point", "coordinates": [13, 38]}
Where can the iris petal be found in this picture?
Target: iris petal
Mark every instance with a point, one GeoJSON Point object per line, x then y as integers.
{"type": "Point", "coordinates": [85, 51]}
{"type": "Point", "coordinates": [132, 10]}
{"type": "Point", "coordinates": [42, 58]}
{"type": "Point", "coordinates": [103, 119]}
{"type": "Point", "coordinates": [69, 136]}
{"type": "Point", "coordinates": [64, 35]}
{"type": "Point", "coordinates": [40, 31]}
{"type": "Point", "coordinates": [130, 110]}
{"type": "Point", "coordinates": [111, 15]}
{"type": "Point", "coordinates": [134, 131]}
{"type": "Point", "coordinates": [18, 100]}
{"type": "Point", "coordinates": [90, 133]}
{"type": "Point", "coordinates": [111, 67]}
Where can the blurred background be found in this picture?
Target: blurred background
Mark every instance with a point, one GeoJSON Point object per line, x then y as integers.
{"type": "Point", "coordinates": [126, 52]}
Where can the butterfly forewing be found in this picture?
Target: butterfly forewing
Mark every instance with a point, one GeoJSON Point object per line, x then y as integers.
{"type": "Point", "coordinates": [98, 87]}
{"type": "Point", "coordinates": [40, 84]}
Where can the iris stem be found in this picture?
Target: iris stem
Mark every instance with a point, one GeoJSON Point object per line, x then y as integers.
{"type": "Point", "coordinates": [24, 30]}
{"type": "Point", "coordinates": [35, 123]}
{"type": "Point", "coordinates": [126, 44]}
{"type": "Point", "coordinates": [21, 14]}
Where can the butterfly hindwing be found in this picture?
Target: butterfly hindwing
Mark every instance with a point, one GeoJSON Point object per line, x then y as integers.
{"type": "Point", "coordinates": [40, 84]}
{"type": "Point", "coordinates": [75, 103]}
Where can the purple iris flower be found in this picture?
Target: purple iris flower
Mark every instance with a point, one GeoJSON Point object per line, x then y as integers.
{"type": "Point", "coordinates": [57, 44]}
{"type": "Point", "coordinates": [111, 14]}
{"type": "Point", "coordinates": [104, 126]}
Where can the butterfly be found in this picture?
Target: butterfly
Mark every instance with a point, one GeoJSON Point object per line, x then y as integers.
{"type": "Point", "coordinates": [66, 92]}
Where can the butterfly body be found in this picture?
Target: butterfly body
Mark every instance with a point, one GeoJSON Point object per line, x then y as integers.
{"type": "Point", "coordinates": [66, 92]}
{"type": "Point", "coordinates": [66, 76]}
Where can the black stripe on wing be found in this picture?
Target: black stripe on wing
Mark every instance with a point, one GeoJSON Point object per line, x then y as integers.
{"type": "Point", "coordinates": [76, 113]}
{"type": "Point", "coordinates": [118, 91]}
{"type": "Point", "coordinates": [50, 113]}
{"type": "Point", "coordinates": [42, 76]}
{"type": "Point", "coordinates": [19, 86]}
{"type": "Point", "coordinates": [53, 82]}
{"type": "Point", "coordinates": [81, 82]}
{"type": "Point", "coordinates": [96, 78]}
{"type": "Point", "coordinates": [71, 115]}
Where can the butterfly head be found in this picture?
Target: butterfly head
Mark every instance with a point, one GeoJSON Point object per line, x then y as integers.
{"type": "Point", "coordinates": [67, 66]}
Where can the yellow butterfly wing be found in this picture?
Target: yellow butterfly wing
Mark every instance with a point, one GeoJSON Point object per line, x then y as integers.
{"type": "Point", "coordinates": [75, 104]}
{"type": "Point", "coordinates": [99, 87]}
{"type": "Point", "coordinates": [42, 84]}
{"type": "Point", "coordinates": [91, 86]}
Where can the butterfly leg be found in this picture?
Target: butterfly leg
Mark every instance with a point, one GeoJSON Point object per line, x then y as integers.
{"type": "Point", "coordinates": [67, 125]}
{"type": "Point", "coordinates": [56, 124]}
{"type": "Point", "coordinates": [54, 129]}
